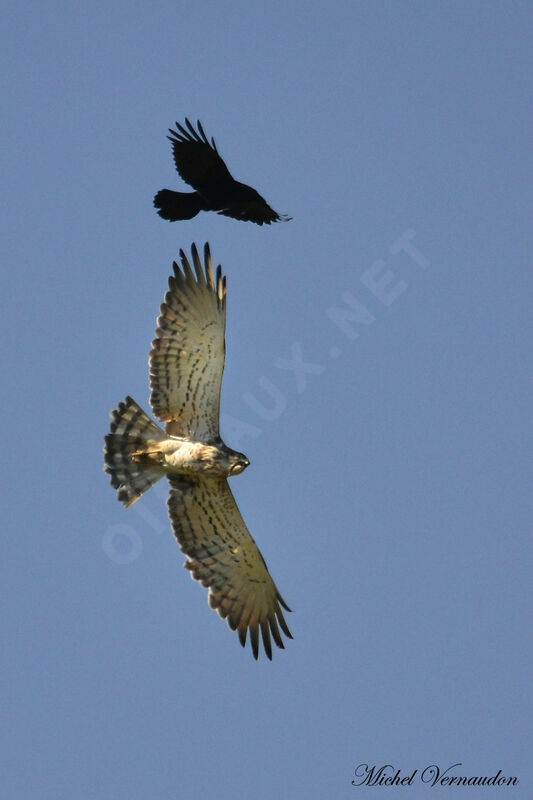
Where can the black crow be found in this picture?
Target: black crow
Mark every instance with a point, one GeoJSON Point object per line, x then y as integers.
{"type": "Point", "coordinates": [200, 165]}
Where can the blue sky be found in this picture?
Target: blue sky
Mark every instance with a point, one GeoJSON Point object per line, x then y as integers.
{"type": "Point", "coordinates": [390, 480]}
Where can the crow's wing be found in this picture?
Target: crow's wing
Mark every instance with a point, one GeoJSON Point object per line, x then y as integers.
{"type": "Point", "coordinates": [197, 159]}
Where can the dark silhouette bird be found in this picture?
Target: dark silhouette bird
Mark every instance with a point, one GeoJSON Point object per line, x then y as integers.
{"type": "Point", "coordinates": [199, 164]}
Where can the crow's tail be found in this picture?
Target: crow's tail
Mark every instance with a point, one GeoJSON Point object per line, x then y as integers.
{"type": "Point", "coordinates": [177, 205]}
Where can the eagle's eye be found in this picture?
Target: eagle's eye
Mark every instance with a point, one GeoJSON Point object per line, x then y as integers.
{"type": "Point", "coordinates": [239, 466]}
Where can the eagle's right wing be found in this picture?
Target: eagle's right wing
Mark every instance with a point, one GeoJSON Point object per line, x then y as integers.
{"type": "Point", "coordinates": [223, 557]}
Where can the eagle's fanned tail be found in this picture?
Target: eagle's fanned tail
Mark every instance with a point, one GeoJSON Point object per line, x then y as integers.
{"type": "Point", "coordinates": [131, 430]}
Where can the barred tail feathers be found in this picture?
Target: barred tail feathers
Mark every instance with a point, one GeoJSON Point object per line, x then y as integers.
{"type": "Point", "coordinates": [131, 430]}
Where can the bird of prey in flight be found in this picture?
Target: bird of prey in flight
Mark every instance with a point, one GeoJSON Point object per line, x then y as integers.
{"type": "Point", "coordinates": [199, 164]}
{"type": "Point", "coordinates": [186, 366]}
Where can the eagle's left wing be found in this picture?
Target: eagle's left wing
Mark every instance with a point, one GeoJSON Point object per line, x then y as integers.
{"type": "Point", "coordinates": [187, 356]}
{"type": "Point", "coordinates": [223, 557]}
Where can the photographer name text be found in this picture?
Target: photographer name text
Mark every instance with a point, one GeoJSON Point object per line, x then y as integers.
{"type": "Point", "coordinates": [432, 775]}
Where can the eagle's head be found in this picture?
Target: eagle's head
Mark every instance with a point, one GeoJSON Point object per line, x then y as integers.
{"type": "Point", "coordinates": [238, 463]}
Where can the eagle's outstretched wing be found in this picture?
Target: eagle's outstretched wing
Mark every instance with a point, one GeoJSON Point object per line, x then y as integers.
{"type": "Point", "coordinates": [187, 356]}
{"type": "Point", "coordinates": [223, 557]}
{"type": "Point", "coordinates": [197, 159]}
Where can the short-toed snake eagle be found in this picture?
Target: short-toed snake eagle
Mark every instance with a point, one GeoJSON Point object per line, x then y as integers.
{"type": "Point", "coordinates": [186, 366]}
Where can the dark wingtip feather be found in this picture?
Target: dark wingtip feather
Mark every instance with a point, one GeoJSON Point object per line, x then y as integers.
{"type": "Point", "coordinates": [283, 624]}
{"type": "Point", "coordinates": [186, 267]}
{"type": "Point", "coordinates": [265, 635]}
{"type": "Point", "coordinates": [254, 640]}
{"type": "Point", "coordinates": [202, 273]}
{"type": "Point", "coordinates": [283, 603]}
{"type": "Point", "coordinates": [208, 268]}
{"type": "Point", "coordinates": [275, 632]}
{"type": "Point", "coordinates": [202, 132]}
{"type": "Point", "coordinates": [183, 134]}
